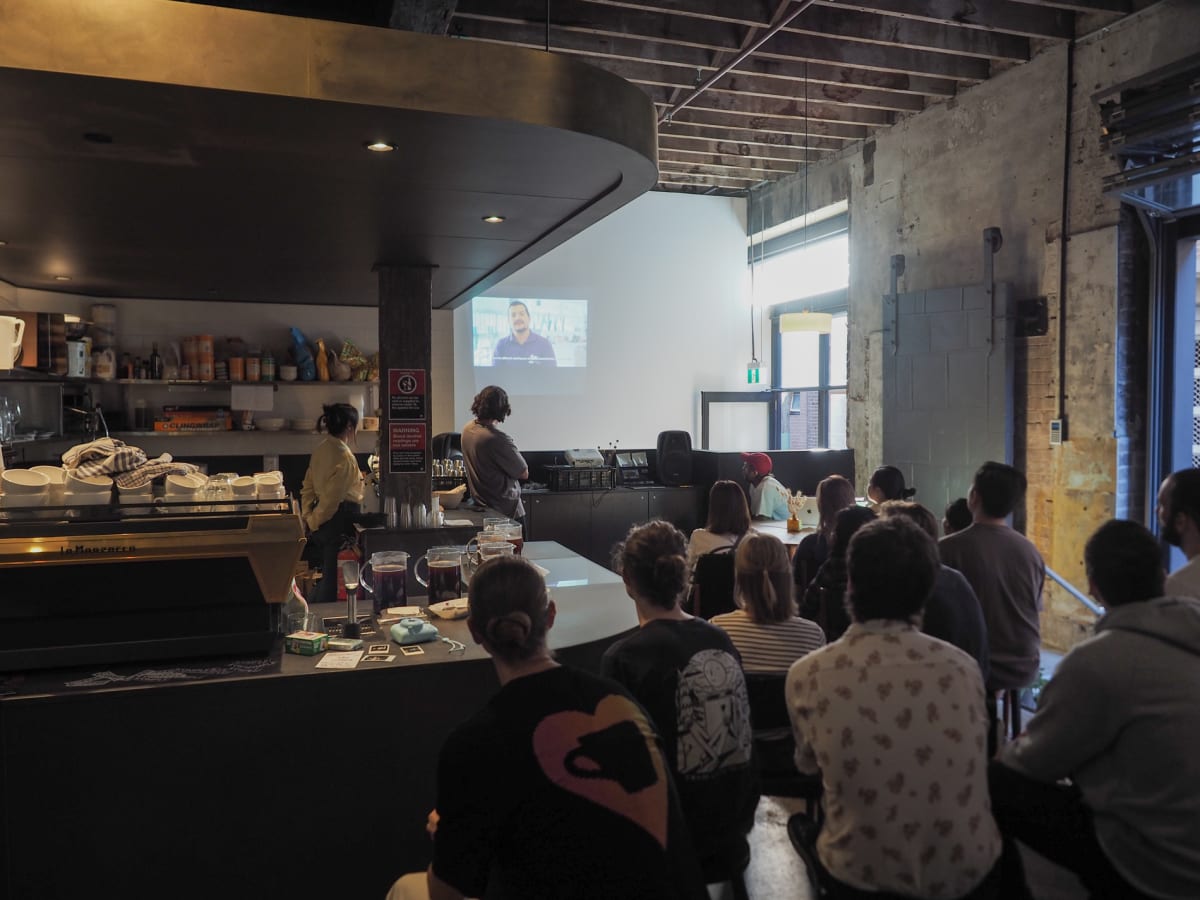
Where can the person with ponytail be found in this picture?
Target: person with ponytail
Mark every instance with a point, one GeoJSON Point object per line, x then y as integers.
{"type": "Point", "coordinates": [766, 630]}
{"type": "Point", "coordinates": [558, 787]}
{"type": "Point", "coordinates": [687, 675]}
{"type": "Point", "coordinates": [332, 492]}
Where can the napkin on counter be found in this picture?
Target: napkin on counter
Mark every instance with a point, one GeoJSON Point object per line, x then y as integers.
{"type": "Point", "coordinates": [144, 474]}
{"type": "Point", "coordinates": [106, 456]}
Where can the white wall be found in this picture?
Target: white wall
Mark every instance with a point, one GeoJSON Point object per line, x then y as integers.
{"type": "Point", "coordinates": [665, 278]}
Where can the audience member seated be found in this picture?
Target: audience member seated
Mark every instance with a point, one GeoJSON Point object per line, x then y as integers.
{"type": "Point", "coordinates": [765, 629]}
{"type": "Point", "coordinates": [957, 516]}
{"type": "Point", "coordinates": [887, 483]}
{"type": "Point", "coordinates": [894, 722]}
{"type": "Point", "coordinates": [1007, 573]}
{"type": "Point", "coordinates": [952, 612]}
{"type": "Point", "coordinates": [834, 494]}
{"type": "Point", "coordinates": [1120, 719]}
{"type": "Point", "coordinates": [1179, 521]}
{"type": "Point", "coordinates": [824, 600]}
{"type": "Point", "coordinates": [558, 786]}
{"type": "Point", "coordinates": [686, 674]}
{"type": "Point", "coordinates": [728, 521]}
{"type": "Point", "coordinates": [768, 498]}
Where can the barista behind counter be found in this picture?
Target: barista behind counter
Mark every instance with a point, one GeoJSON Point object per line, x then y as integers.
{"type": "Point", "coordinates": [495, 468]}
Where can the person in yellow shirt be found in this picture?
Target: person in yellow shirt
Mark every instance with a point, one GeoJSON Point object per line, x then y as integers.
{"type": "Point", "coordinates": [332, 492]}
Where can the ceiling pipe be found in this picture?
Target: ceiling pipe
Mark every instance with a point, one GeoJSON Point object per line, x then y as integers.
{"type": "Point", "coordinates": [801, 6]}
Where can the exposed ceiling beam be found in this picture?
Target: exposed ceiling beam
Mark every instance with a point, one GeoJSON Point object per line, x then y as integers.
{"type": "Point", "coordinates": [768, 144]}
{"type": "Point", "coordinates": [749, 13]}
{"type": "Point", "coordinates": [583, 18]}
{"type": "Point", "coordinates": [739, 163]}
{"type": "Point", "coordinates": [678, 171]}
{"type": "Point", "coordinates": [914, 34]}
{"type": "Point", "coordinates": [1117, 7]}
{"type": "Point", "coordinates": [776, 107]}
{"type": "Point", "coordinates": [741, 84]}
{"type": "Point", "coordinates": [681, 144]}
{"type": "Point", "coordinates": [990, 15]}
{"type": "Point", "coordinates": [783, 126]}
{"type": "Point", "coordinates": [638, 50]}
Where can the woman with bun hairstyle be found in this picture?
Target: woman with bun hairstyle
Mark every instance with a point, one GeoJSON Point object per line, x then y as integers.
{"type": "Point", "coordinates": [687, 675]}
{"type": "Point", "coordinates": [766, 630]}
{"type": "Point", "coordinates": [558, 787]}
{"type": "Point", "coordinates": [887, 483]}
{"type": "Point", "coordinates": [332, 492]}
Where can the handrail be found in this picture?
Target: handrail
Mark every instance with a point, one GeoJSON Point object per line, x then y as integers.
{"type": "Point", "coordinates": [1075, 592]}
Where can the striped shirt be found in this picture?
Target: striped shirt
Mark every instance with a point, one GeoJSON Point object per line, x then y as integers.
{"type": "Point", "coordinates": [772, 646]}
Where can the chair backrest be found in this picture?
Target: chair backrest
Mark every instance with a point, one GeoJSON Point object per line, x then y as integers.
{"type": "Point", "coordinates": [768, 700]}
{"type": "Point", "coordinates": [712, 584]}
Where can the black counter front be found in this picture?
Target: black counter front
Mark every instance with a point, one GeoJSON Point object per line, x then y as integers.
{"type": "Point", "coordinates": [252, 778]}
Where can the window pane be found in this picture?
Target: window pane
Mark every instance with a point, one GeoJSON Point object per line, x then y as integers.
{"type": "Point", "coordinates": [800, 359]}
{"type": "Point", "coordinates": [838, 350]}
{"type": "Point", "coordinates": [837, 420]}
{"type": "Point", "coordinates": [801, 420]}
{"type": "Point", "coordinates": [819, 268]}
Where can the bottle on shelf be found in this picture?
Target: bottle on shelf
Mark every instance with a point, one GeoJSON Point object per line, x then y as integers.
{"type": "Point", "coordinates": [156, 363]}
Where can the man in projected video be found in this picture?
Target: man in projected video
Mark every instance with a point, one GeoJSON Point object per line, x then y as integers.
{"type": "Point", "coordinates": [523, 347]}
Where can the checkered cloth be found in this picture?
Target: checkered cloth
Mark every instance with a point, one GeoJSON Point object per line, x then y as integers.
{"type": "Point", "coordinates": [106, 456]}
{"type": "Point", "coordinates": [143, 475]}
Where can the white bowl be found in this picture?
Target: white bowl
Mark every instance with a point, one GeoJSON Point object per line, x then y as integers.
{"type": "Point", "coordinates": [288, 373]}
{"type": "Point", "coordinates": [245, 486]}
{"type": "Point", "coordinates": [184, 485]}
{"type": "Point", "coordinates": [304, 425]}
{"type": "Point", "coordinates": [449, 499]}
{"type": "Point", "coordinates": [91, 484]}
{"type": "Point", "coordinates": [269, 424]}
{"type": "Point", "coordinates": [268, 477]}
{"type": "Point", "coordinates": [56, 474]}
{"type": "Point", "coordinates": [24, 481]}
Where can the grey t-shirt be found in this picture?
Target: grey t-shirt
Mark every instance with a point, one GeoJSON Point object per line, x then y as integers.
{"type": "Point", "coordinates": [493, 466]}
{"type": "Point", "coordinates": [1007, 573]}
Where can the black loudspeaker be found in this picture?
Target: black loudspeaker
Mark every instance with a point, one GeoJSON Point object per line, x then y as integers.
{"type": "Point", "coordinates": [674, 457]}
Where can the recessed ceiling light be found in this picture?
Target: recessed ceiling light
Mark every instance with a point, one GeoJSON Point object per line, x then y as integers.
{"type": "Point", "coordinates": [3, 243]}
{"type": "Point", "coordinates": [380, 147]}
{"type": "Point", "coordinates": [62, 277]}
{"type": "Point", "coordinates": [493, 220]}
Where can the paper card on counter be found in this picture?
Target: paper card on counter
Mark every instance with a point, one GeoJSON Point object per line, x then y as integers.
{"type": "Point", "coordinates": [403, 610]}
{"type": "Point", "coordinates": [336, 660]}
{"type": "Point", "coordinates": [252, 396]}
{"type": "Point", "coordinates": [458, 522]}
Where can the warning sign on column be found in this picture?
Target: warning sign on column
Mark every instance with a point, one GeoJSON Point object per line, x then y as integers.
{"type": "Point", "coordinates": [406, 393]}
{"type": "Point", "coordinates": [406, 447]}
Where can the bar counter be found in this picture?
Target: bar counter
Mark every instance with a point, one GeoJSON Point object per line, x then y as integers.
{"type": "Point", "coordinates": [253, 777]}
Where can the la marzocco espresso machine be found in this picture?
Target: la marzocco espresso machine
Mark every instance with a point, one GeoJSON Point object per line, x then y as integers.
{"type": "Point", "coordinates": [116, 584]}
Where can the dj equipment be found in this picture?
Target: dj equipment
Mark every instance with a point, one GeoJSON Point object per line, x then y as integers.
{"type": "Point", "coordinates": [674, 457]}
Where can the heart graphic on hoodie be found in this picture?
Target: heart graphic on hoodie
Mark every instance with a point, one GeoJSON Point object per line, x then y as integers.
{"type": "Point", "coordinates": [610, 758]}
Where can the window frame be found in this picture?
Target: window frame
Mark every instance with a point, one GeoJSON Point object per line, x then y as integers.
{"type": "Point", "coordinates": [835, 303]}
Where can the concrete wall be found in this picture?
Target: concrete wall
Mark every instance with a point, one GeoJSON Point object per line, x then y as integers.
{"type": "Point", "coordinates": [994, 156]}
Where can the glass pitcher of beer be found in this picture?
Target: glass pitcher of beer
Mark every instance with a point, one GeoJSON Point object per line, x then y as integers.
{"type": "Point", "coordinates": [385, 576]}
{"type": "Point", "coordinates": [443, 573]}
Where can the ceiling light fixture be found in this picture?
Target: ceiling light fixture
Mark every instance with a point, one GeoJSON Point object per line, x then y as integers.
{"type": "Point", "coordinates": [493, 220]}
{"type": "Point", "coordinates": [815, 322]}
{"type": "Point", "coordinates": [380, 147]}
{"type": "Point", "coordinates": [3, 243]}
{"type": "Point", "coordinates": [62, 277]}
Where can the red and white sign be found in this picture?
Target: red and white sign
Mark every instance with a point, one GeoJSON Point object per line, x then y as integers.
{"type": "Point", "coordinates": [406, 447]}
{"type": "Point", "coordinates": [407, 392]}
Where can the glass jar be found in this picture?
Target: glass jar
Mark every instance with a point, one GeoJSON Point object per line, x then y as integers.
{"type": "Point", "coordinates": [253, 368]}
{"type": "Point", "coordinates": [267, 366]}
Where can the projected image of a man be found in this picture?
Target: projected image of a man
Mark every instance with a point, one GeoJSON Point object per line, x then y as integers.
{"type": "Point", "coordinates": [523, 346]}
